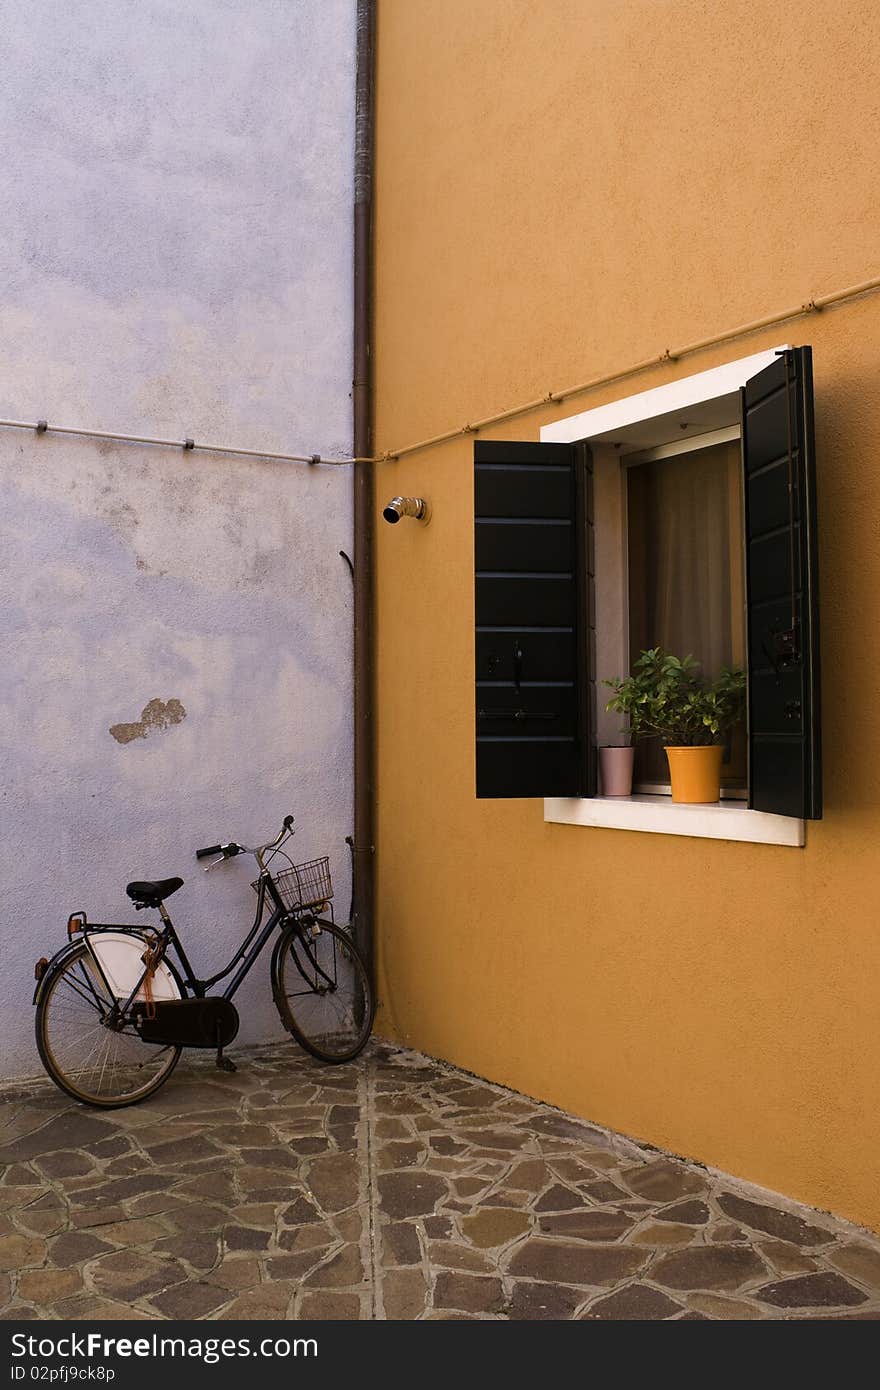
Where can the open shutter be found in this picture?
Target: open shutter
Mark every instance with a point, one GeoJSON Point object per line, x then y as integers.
{"type": "Point", "coordinates": [782, 595]}
{"type": "Point", "coordinates": [532, 549]}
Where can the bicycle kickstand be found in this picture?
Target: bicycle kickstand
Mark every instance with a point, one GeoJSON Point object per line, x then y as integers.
{"type": "Point", "coordinates": [224, 1063]}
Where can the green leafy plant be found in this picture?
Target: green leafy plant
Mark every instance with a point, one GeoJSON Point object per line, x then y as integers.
{"type": "Point", "coordinates": [665, 695]}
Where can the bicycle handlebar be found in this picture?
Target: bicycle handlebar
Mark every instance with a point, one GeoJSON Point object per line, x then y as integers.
{"type": "Point", "coordinates": [229, 851]}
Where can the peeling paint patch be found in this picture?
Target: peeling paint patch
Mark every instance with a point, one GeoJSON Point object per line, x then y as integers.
{"type": "Point", "coordinates": [158, 714]}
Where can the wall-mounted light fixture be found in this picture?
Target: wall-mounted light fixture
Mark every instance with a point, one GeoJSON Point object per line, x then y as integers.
{"type": "Point", "coordinates": [415, 507]}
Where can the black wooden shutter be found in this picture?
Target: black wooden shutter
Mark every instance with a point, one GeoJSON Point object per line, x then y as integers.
{"type": "Point", "coordinates": [782, 593]}
{"type": "Point", "coordinates": [534, 619]}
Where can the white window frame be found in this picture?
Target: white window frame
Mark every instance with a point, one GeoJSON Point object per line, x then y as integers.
{"type": "Point", "coordinates": [693, 408]}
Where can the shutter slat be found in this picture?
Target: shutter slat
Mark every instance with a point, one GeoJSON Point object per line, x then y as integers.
{"type": "Point", "coordinates": [782, 598]}
{"type": "Point", "coordinates": [531, 711]}
{"type": "Point", "coordinates": [519, 545]}
{"type": "Point", "coordinates": [530, 602]}
{"type": "Point", "coordinates": [518, 767]}
{"type": "Point", "coordinates": [768, 499]}
{"type": "Point", "coordinates": [552, 655]}
{"type": "Point", "coordinates": [532, 610]}
{"type": "Point", "coordinates": [522, 492]}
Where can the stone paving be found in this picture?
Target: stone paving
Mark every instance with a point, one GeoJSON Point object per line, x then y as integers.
{"type": "Point", "coordinates": [395, 1187]}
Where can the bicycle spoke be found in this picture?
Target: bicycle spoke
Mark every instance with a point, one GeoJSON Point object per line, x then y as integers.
{"type": "Point", "coordinates": [105, 1052]}
{"type": "Point", "coordinates": [75, 989]}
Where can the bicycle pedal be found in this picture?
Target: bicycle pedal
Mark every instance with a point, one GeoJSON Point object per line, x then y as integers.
{"type": "Point", "coordinates": [224, 1064]}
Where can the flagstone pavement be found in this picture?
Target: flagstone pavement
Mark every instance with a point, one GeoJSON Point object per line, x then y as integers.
{"type": "Point", "coordinates": [395, 1187]}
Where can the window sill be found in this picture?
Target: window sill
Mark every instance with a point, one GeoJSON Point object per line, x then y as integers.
{"type": "Point", "coordinates": [658, 815]}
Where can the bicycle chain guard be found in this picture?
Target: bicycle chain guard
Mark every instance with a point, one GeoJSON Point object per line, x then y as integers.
{"type": "Point", "coordinates": [209, 1022]}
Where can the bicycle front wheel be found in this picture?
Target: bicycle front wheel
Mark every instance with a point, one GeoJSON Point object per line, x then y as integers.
{"type": "Point", "coordinates": [322, 991]}
{"type": "Point", "coordinates": [85, 1057]}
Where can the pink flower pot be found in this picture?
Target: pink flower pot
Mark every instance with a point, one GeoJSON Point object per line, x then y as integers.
{"type": "Point", "coordinates": [616, 768]}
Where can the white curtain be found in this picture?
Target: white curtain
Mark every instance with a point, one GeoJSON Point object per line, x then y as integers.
{"type": "Point", "coordinates": [685, 562]}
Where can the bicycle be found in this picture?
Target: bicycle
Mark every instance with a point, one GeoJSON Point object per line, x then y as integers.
{"type": "Point", "coordinates": [114, 1011]}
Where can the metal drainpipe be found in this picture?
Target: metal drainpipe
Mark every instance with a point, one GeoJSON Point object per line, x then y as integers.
{"type": "Point", "coordinates": [363, 851]}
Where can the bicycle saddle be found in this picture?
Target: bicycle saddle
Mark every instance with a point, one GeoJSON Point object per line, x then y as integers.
{"type": "Point", "coordinates": [152, 893]}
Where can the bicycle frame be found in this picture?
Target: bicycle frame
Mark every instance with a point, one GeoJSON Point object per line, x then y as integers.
{"type": "Point", "coordinates": [247, 953]}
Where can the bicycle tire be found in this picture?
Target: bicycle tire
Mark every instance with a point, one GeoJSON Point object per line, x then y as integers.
{"type": "Point", "coordinates": [332, 1021]}
{"type": "Point", "coordinates": [77, 973]}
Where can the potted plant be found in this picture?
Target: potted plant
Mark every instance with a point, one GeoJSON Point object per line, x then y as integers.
{"type": "Point", "coordinates": [616, 760]}
{"type": "Point", "coordinates": [691, 715]}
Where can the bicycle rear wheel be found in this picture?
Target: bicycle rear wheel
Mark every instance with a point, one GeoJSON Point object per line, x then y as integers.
{"type": "Point", "coordinates": [322, 991]}
{"type": "Point", "coordinates": [88, 1060]}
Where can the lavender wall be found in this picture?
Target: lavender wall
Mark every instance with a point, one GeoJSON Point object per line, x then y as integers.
{"type": "Point", "coordinates": [174, 259]}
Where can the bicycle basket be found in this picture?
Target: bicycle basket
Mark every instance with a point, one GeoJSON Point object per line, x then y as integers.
{"type": "Point", "coordinates": [304, 885]}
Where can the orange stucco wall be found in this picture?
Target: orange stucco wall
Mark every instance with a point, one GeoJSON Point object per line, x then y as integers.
{"type": "Point", "coordinates": [565, 187]}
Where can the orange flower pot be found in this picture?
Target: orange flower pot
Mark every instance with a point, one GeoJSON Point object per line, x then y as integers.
{"type": "Point", "coordinates": [695, 773]}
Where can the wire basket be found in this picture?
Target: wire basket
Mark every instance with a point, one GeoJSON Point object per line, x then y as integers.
{"type": "Point", "coordinates": [304, 885]}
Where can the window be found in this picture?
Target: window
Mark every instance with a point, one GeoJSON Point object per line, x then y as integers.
{"type": "Point", "coordinates": [651, 516]}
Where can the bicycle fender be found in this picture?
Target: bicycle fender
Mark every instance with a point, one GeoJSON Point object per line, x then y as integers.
{"type": "Point", "coordinates": [62, 955]}
{"type": "Point", "coordinates": [282, 941]}
{"type": "Point", "coordinates": [64, 951]}
{"type": "Point", "coordinates": [276, 951]}
{"type": "Point", "coordinates": [58, 959]}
